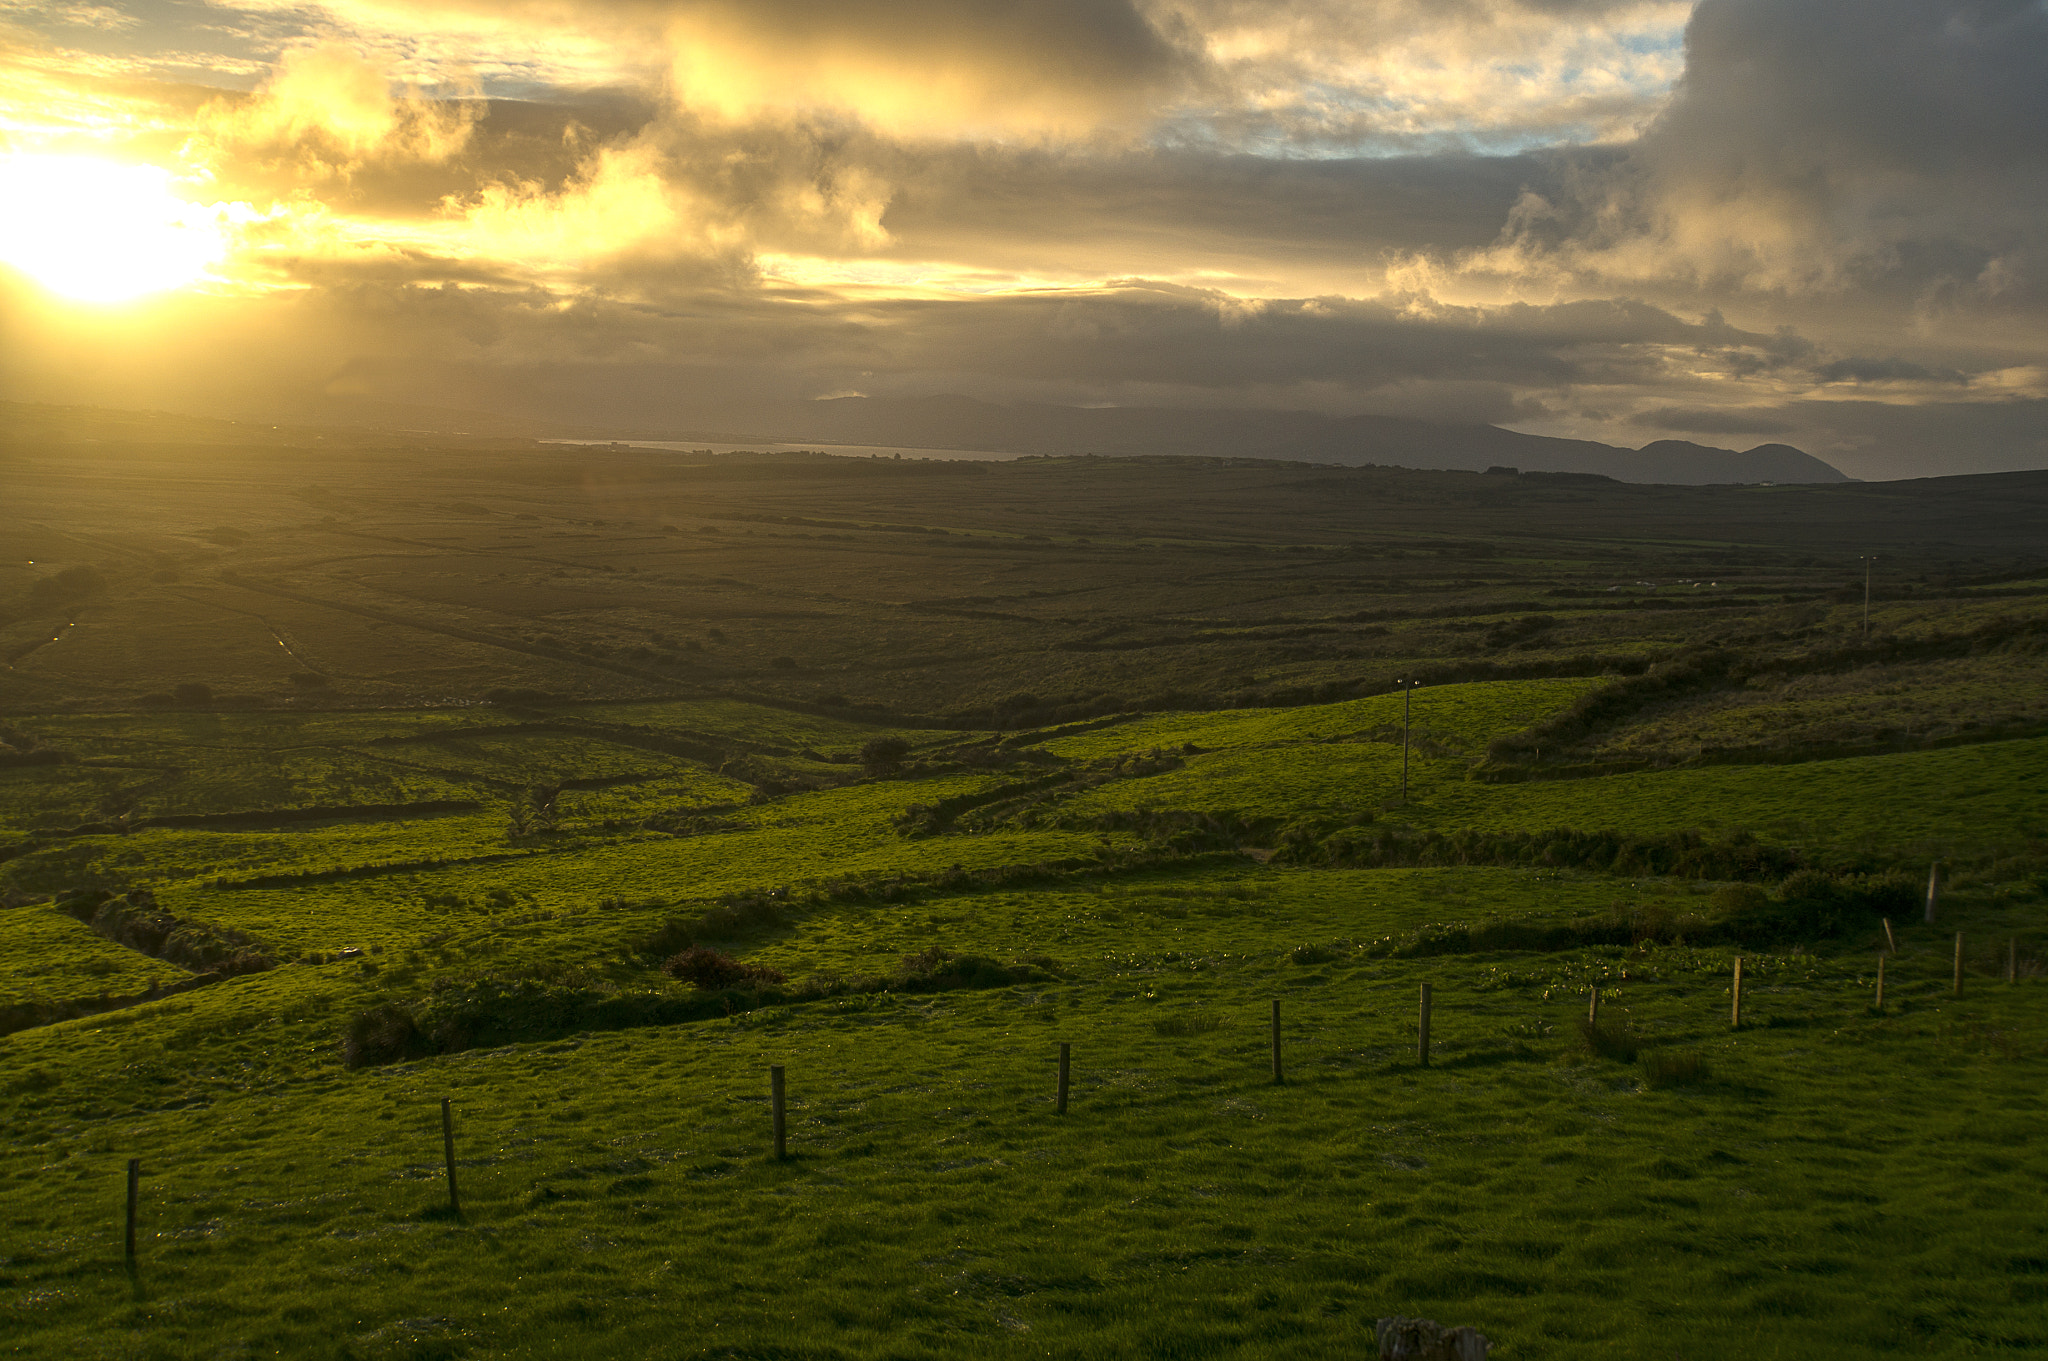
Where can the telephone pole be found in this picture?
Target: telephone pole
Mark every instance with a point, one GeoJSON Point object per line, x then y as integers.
{"type": "Point", "coordinates": [1407, 696]}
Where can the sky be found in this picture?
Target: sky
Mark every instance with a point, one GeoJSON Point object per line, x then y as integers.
{"type": "Point", "coordinates": [1818, 222]}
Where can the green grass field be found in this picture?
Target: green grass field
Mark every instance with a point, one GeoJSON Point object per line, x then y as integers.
{"type": "Point", "coordinates": [464, 792]}
{"type": "Point", "coordinates": [1824, 1181]}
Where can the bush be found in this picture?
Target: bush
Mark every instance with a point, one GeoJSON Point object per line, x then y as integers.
{"type": "Point", "coordinates": [884, 754]}
{"type": "Point", "coordinates": [1311, 954]}
{"type": "Point", "coordinates": [383, 1034]}
{"type": "Point", "coordinates": [1810, 904]}
{"type": "Point", "coordinates": [703, 967]}
{"type": "Point", "coordinates": [940, 970]}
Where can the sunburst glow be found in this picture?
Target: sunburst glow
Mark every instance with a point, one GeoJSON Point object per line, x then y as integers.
{"type": "Point", "coordinates": [102, 232]}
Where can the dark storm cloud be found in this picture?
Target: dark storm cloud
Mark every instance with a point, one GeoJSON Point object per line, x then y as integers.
{"type": "Point", "coordinates": [1829, 143]}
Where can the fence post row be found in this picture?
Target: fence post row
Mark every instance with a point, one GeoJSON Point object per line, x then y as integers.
{"type": "Point", "coordinates": [777, 1088]}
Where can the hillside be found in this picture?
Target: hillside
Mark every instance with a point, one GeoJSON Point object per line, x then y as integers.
{"type": "Point", "coordinates": [343, 774]}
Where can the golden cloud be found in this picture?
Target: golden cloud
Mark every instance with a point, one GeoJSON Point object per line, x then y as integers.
{"type": "Point", "coordinates": [327, 111]}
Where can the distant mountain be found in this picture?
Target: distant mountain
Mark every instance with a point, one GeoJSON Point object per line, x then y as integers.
{"type": "Point", "coordinates": [1039, 428]}
{"type": "Point", "coordinates": [1030, 428]}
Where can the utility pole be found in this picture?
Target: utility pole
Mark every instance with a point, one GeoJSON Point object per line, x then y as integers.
{"type": "Point", "coordinates": [1407, 696]}
{"type": "Point", "coordinates": [1868, 560]}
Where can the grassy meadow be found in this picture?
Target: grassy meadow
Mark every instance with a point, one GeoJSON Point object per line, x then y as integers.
{"type": "Point", "coordinates": [347, 803]}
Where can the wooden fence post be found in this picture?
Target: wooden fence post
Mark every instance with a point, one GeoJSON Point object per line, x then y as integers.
{"type": "Point", "coordinates": [1276, 1040]}
{"type": "Point", "coordinates": [775, 1100]}
{"type": "Point", "coordinates": [1959, 964]}
{"type": "Point", "coordinates": [1891, 942]}
{"type": "Point", "coordinates": [1880, 982]}
{"type": "Point", "coordinates": [1593, 1007]}
{"type": "Point", "coordinates": [1933, 889]}
{"type": "Point", "coordinates": [1422, 1030]}
{"type": "Point", "coordinates": [1735, 1012]}
{"type": "Point", "coordinates": [448, 1150]}
{"type": "Point", "coordinates": [134, 1204]}
{"type": "Point", "coordinates": [1061, 1102]}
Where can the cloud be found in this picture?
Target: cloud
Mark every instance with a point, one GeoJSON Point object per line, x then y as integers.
{"type": "Point", "coordinates": [1768, 217]}
{"type": "Point", "coordinates": [1818, 145]}
{"type": "Point", "coordinates": [1707, 422]}
{"type": "Point", "coordinates": [1894, 370]}
{"type": "Point", "coordinates": [904, 67]}
{"type": "Point", "coordinates": [1417, 75]}
{"type": "Point", "coordinates": [328, 110]}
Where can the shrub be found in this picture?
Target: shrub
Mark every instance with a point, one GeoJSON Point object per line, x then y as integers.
{"type": "Point", "coordinates": [1311, 954]}
{"type": "Point", "coordinates": [1667, 1068]}
{"type": "Point", "coordinates": [702, 967]}
{"type": "Point", "coordinates": [1810, 904]}
{"type": "Point", "coordinates": [382, 1034]}
{"type": "Point", "coordinates": [784, 663]}
{"type": "Point", "coordinates": [940, 970]}
{"type": "Point", "coordinates": [884, 754]}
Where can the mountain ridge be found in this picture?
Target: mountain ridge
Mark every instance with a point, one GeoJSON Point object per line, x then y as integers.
{"type": "Point", "coordinates": [952, 422]}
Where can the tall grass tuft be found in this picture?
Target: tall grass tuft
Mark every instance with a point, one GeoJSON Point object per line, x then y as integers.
{"type": "Point", "coordinates": [1609, 1041]}
{"type": "Point", "coordinates": [1672, 1068]}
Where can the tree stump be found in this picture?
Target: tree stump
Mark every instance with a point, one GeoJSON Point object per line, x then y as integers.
{"type": "Point", "coordinates": [1421, 1339]}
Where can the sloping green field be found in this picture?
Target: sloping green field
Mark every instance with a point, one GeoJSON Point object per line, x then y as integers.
{"type": "Point", "coordinates": [1825, 1181]}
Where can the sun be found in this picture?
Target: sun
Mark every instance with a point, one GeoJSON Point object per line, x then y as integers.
{"type": "Point", "coordinates": [100, 231]}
